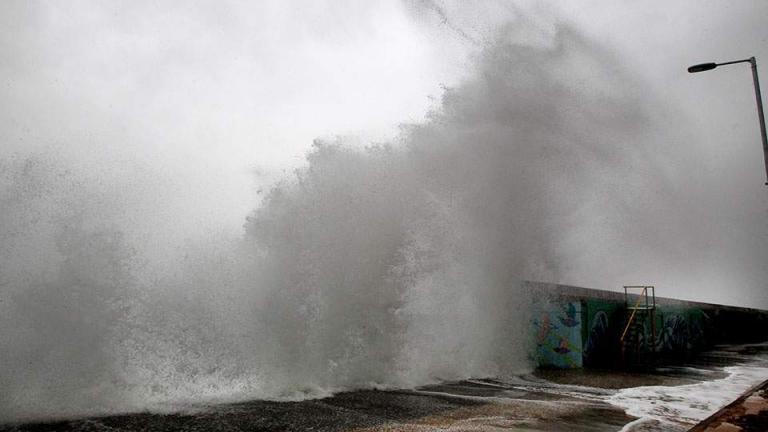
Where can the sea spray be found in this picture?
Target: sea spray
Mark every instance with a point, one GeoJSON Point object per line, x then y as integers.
{"type": "Point", "coordinates": [393, 265]}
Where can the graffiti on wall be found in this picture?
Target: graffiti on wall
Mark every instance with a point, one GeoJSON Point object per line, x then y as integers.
{"type": "Point", "coordinates": [679, 330]}
{"type": "Point", "coordinates": [602, 320]}
{"type": "Point", "coordinates": [587, 332]}
{"type": "Point", "coordinates": [558, 334]}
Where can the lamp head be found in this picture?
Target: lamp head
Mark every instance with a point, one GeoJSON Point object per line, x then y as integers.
{"type": "Point", "coordinates": [702, 67]}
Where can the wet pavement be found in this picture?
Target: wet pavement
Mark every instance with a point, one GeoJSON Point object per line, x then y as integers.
{"type": "Point", "coordinates": [475, 405]}
{"type": "Point", "coordinates": [668, 398]}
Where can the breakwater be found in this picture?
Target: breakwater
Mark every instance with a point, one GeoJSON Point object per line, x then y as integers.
{"type": "Point", "coordinates": [578, 327]}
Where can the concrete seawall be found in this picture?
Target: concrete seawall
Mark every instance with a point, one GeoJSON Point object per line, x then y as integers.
{"type": "Point", "coordinates": [581, 327]}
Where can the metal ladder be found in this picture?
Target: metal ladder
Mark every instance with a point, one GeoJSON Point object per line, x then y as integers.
{"type": "Point", "coordinates": [636, 348]}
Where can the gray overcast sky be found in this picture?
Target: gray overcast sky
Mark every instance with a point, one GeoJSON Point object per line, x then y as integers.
{"type": "Point", "coordinates": [208, 93]}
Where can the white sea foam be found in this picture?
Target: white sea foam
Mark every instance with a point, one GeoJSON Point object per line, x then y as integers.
{"type": "Point", "coordinates": [687, 404]}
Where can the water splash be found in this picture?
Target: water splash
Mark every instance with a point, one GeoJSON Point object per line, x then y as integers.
{"type": "Point", "coordinates": [394, 265]}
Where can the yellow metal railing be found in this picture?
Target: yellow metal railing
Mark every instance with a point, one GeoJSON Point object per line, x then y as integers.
{"type": "Point", "coordinates": [634, 312]}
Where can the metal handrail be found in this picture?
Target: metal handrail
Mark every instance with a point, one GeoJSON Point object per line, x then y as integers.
{"type": "Point", "coordinates": [634, 311]}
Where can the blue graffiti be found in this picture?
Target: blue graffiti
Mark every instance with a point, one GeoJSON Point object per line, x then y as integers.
{"type": "Point", "coordinates": [598, 334]}
{"type": "Point", "coordinates": [569, 320]}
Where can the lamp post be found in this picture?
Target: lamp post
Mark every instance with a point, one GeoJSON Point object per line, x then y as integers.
{"type": "Point", "coordinates": [760, 115]}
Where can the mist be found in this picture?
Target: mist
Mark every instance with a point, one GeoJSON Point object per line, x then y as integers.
{"type": "Point", "coordinates": [137, 275]}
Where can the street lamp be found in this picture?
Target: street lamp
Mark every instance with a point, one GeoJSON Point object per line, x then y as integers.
{"type": "Point", "coordinates": [761, 117]}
